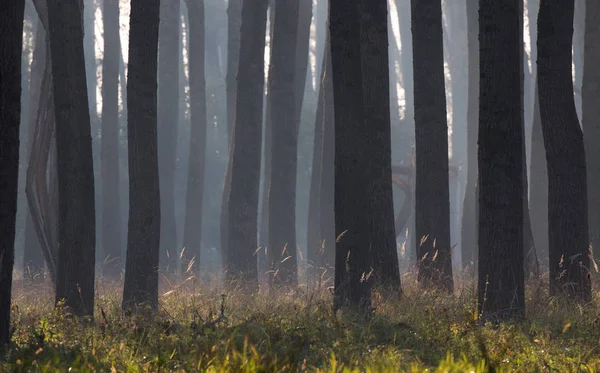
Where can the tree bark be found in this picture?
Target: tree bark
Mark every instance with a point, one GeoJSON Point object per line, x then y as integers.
{"type": "Point", "coordinates": [111, 216]}
{"type": "Point", "coordinates": [501, 284]}
{"type": "Point", "coordinates": [246, 155]}
{"type": "Point", "coordinates": [284, 145]}
{"type": "Point", "coordinates": [168, 123]}
{"type": "Point", "coordinates": [376, 98]}
{"type": "Point", "coordinates": [11, 31]}
{"type": "Point", "coordinates": [591, 118]}
{"type": "Point", "coordinates": [563, 140]}
{"type": "Point", "coordinates": [76, 215]}
{"type": "Point", "coordinates": [192, 238]}
{"type": "Point", "coordinates": [143, 239]}
{"type": "Point", "coordinates": [432, 195]}
{"type": "Point", "coordinates": [469, 211]}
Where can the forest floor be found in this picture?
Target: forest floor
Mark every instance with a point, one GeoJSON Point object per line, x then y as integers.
{"type": "Point", "coordinates": [202, 328]}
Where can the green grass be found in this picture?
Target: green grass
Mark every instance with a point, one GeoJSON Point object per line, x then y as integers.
{"type": "Point", "coordinates": [200, 327]}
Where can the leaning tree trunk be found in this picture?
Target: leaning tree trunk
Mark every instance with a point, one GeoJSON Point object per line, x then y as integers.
{"type": "Point", "coordinates": [432, 195]}
{"type": "Point", "coordinates": [109, 152]}
{"type": "Point", "coordinates": [245, 167]}
{"type": "Point", "coordinates": [501, 284]}
{"type": "Point", "coordinates": [76, 216]}
{"type": "Point", "coordinates": [168, 122]}
{"type": "Point", "coordinates": [378, 156]}
{"type": "Point", "coordinates": [591, 118]}
{"type": "Point", "coordinates": [284, 144]}
{"type": "Point", "coordinates": [11, 29]}
{"type": "Point", "coordinates": [563, 139]}
{"type": "Point", "coordinates": [192, 236]}
{"type": "Point", "coordinates": [143, 239]}
{"type": "Point", "coordinates": [33, 258]}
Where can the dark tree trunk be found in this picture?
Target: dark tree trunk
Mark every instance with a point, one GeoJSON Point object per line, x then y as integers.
{"type": "Point", "coordinates": [192, 237]}
{"type": "Point", "coordinates": [284, 144]}
{"type": "Point", "coordinates": [11, 29]}
{"type": "Point", "coordinates": [326, 258]}
{"type": "Point", "coordinates": [109, 153]}
{"type": "Point", "coordinates": [501, 284]}
{"type": "Point", "coordinates": [591, 118]}
{"type": "Point", "coordinates": [376, 98]}
{"type": "Point", "coordinates": [143, 239]}
{"type": "Point", "coordinates": [469, 211]}
{"type": "Point", "coordinates": [168, 122]}
{"type": "Point", "coordinates": [563, 140]}
{"type": "Point", "coordinates": [432, 195]}
{"type": "Point", "coordinates": [76, 215]}
{"type": "Point", "coordinates": [33, 258]}
{"type": "Point", "coordinates": [245, 169]}
{"type": "Point", "coordinates": [234, 19]}
{"type": "Point", "coordinates": [353, 257]}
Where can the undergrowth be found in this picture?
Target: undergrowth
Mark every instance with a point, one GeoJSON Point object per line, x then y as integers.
{"type": "Point", "coordinates": [202, 327]}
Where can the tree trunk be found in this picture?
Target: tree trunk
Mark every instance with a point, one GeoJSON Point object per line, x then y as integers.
{"type": "Point", "coordinates": [501, 284]}
{"type": "Point", "coordinates": [245, 167]}
{"type": "Point", "coordinates": [141, 273]}
{"type": "Point", "coordinates": [33, 258]}
{"type": "Point", "coordinates": [378, 162]}
{"type": "Point", "coordinates": [578, 41]}
{"type": "Point", "coordinates": [563, 139]}
{"type": "Point", "coordinates": [192, 238]}
{"type": "Point", "coordinates": [469, 211]}
{"type": "Point", "coordinates": [326, 258]}
{"type": "Point", "coordinates": [234, 19]}
{"type": "Point", "coordinates": [11, 29]}
{"type": "Point", "coordinates": [284, 144]}
{"type": "Point", "coordinates": [111, 217]}
{"type": "Point", "coordinates": [432, 195]}
{"type": "Point", "coordinates": [168, 122]}
{"type": "Point", "coordinates": [591, 119]}
{"type": "Point", "coordinates": [76, 216]}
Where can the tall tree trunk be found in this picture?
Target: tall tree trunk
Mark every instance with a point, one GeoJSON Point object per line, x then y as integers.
{"type": "Point", "coordinates": [376, 97]}
{"type": "Point", "coordinates": [143, 239]}
{"type": "Point", "coordinates": [192, 237]}
{"type": "Point", "coordinates": [111, 216]}
{"type": "Point", "coordinates": [469, 210]}
{"type": "Point", "coordinates": [563, 139]}
{"type": "Point", "coordinates": [33, 259]}
{"type": "Point", "coordinates": [432, 195]}
{"type": "Point", "coordinates": [284, 144]}
{"type": "Point", "coordinates": [76, 216]}
{"type": "Point", "coordinates": [11, 29]}
{"type": "Point", "coordinates": [234, 21]}
{"type": "Point", "coordinates": [245, 167]}
{"type": "Point", "coordinates": [326, 258]}
{"type": "Point", "coordinates": [353, 257]}
{"type": "Point", "coordinates": [501, 284]}
{"type": "Point", "coordinates": [578, 41]}
{"type": "Point", "coordinates": [591, 118]}
{"type": "Point", "coordinates": [168, 122]}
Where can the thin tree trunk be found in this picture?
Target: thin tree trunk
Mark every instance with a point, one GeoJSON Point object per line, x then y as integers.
{"type": "Point", "coordinates": [563, 139]}
{"type": "Point", "coordinates": [111, 216]}
{"type": "Point", "coordinates": [245, 168]}
{"type": "Point", "coordinates": [11, 29]}
{"type": "Point", "coordinates": [168, 122]}
{"type": "Point", "coordinates": [501, 285]}
{"type": "Point", "coordinates": [76, 216]}
{"type": "Point", "coordinates": [284, 145]}
{"type": "Point", "coordinates": [192, 238]}
{"type": "Point", "coordinates": [143, 239]}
